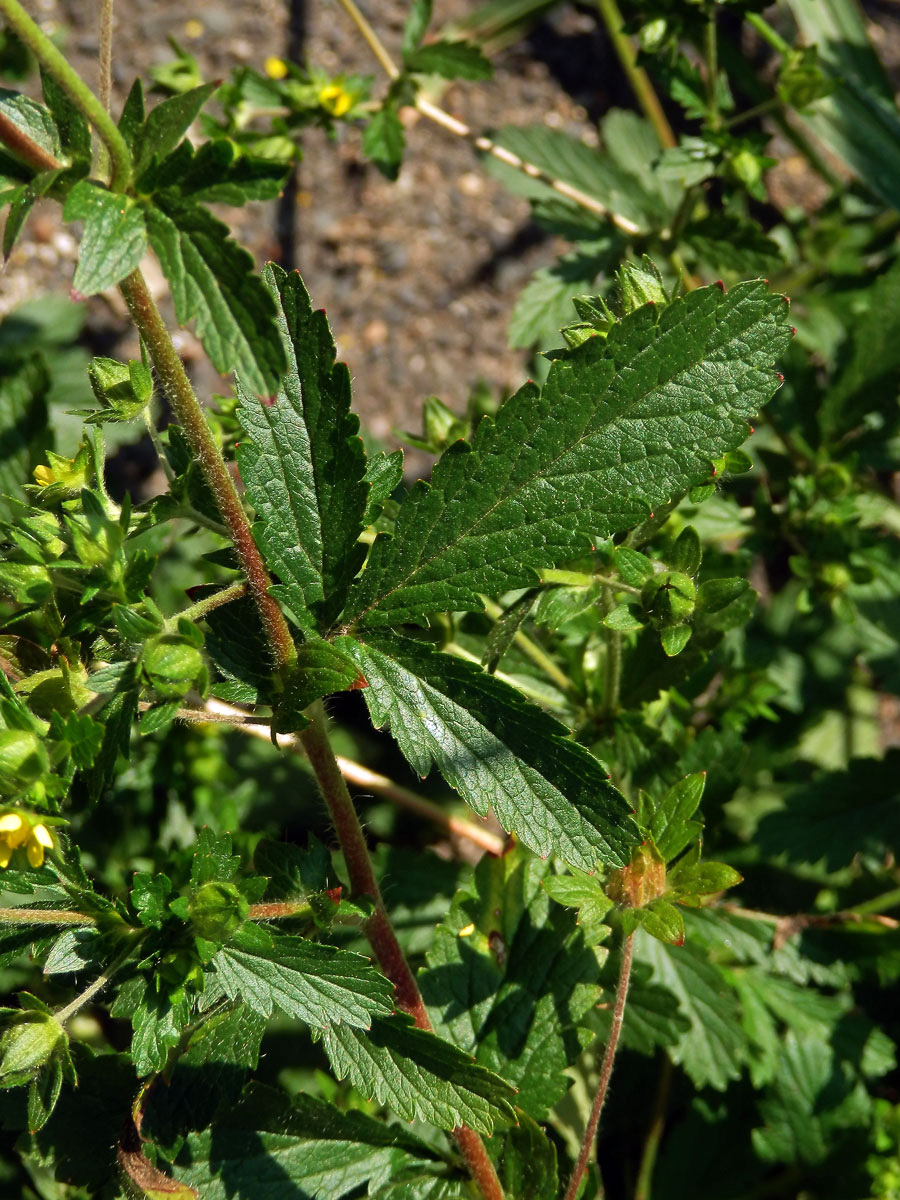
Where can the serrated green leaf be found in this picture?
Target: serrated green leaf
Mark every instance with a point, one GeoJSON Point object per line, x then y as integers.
{"type": "Point", "coordinates": [158, 1023]}
{"type": "Point", "coordinates": [24, 424]}
{"type": "Point", "coordinates": [33, 119]}
{"type": "Point", "coordinates": [150, 898]}
{"type": "Point", "coordinates": [838, 816]}
{"type": "Point", "coordinates": [317, 983]}
{"type": "Point", "coordinates": [384, 473]}
{"type": "Point", "coordinates": [417, 21]}
{"type": "Point", "coordinates": [544, 305]}
{"type": "Point", "coordinates": [217, 173]}
{"type": "Point", "coordinates": [527, 1168]}
{"type": "Point", "coordinates": [304, 464]}
{"type": "Point", "coordinates": [660, 919]}
{"type": "Point", "coordinates": [511, 980]}
{"type": "Point", "coordinates": [212, 282]}
{"type": "Point", "coordinates": [166, 124]}
{"type": "Point", "coordinates": [622, 425]}
{"type": "Point", "coordinates": [213, 861]}
{"type": "Point", "coordinates": [451, 60]}
{"type": "Point", "coordinates": [293, 871]}
{"type": "Point", "coordinates": [419, 1076]}
{"type": "Point", "coordinates": [496, 749]}
{"type": "Point", "coordinates": [712, 1051]}
{"type": "Point", "coordinates": [384, 140]}
{"type": "Point", "coordinates": [268, 1148]}
{"type": "Point", "coordinates": [73, 130]}
{"type": "Point", "coordinates": [623, 176]}
{"type": "Point", "coordinates": [320, 670]}
{"type": "Point", "coordinates": [670, 823]}
{"type": "Point", "coordinates": [584, 892]}
{"type": "Point", "coordinates": [652, 1014]}
{"type": "Point", "coordinates": [688, 883]}
{"type": "Point", "coordinates": [114, 239]}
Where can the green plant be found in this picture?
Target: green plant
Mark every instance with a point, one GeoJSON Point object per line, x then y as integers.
{"type": "Point", "coordinates": [561, 621]}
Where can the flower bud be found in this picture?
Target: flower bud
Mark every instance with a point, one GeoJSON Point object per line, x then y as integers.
{"type": "Point", "coordinates": [27, 1046]}
{"type": "Point", "coordinates": [172, 666]}
{"type": "Point", "coordinates": [217, 911]}
{"type": "Point", "coordinates": [642, 881]}
{"type": "Point", "coordinates": [23, 760]}
{"type": "Point", "coordinates": [669, 598]}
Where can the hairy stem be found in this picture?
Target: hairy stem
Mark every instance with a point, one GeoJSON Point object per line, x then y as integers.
{"type": "Point", "coordinates": [105, 65]}
{"type": "Point", "coordinates": [609, 1054]}
{"type": "Point", "coordinates": [189, 412]}
{"type": "Point", "coordinates": [637, 76]}
{"type": "Point", "coordinates": [356, 774]}
{"type": "Point", "coordinates": [44, 916]}
{"type": "Point", "coordinates": [196, 612]}
{"type": "Point", "coordinates": [63, 1014]}
{"type": "Point", "coordinates": [480, 141]}
{"type": "Point", "coordinates": [586, 579]}
{"type": "Point", "coordinates": [378, 928]}
{"type": "Point", "coordinates": [77, 90]}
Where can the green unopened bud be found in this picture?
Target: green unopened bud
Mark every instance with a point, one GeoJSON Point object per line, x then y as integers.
{"type": "Point", "coordinates": [642, 881]}
{"type": "Point", "coordinates": [172, 666]}
{"type": "Point", "coordinates": [124, 389]}
{"type": "Point", "coordinates": [23, 760]}
{"type": "Point", "coordinates": [833, 480]}
{"type": "Point", "coordinates": [669, 598]}
{"type": "Point", "coordinates": [27, 1045]}
{"type": "Point", "coordinates": [440, 424]}
{"type": "Point", "coordinates": [218, 910]}
{"type": "Point", "coordinates": [639, 285]}
{"type": "Point", "coordinates": [652, 35]}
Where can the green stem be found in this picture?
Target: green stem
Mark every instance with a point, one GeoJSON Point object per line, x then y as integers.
{"type": "Point", "coordinates": [767, 33]}
{"type": "Point", "coordinates": [538, 656]}
{"type": "Point", "coordinates": [878, 903]}
{"type": "Point", "coordinates": [711, 54]}
{"type": "Point", "coordinates": [44, 916]}
{"type": "Point", "coordinates": [637, 76]}
{"type": "Point", "coordinates": [189, 413]}
{"type": "Point", "coordinates": [63, 1014]}
{"type": "Point", "coordinates": [78, 91]}
{"type": "Point", "coordinates": [612, 669]}
{"type": "Point", "coordinates": [378, 928]}
{"type": "Point", "coordinates": [196, 612]}
{"type": "Point", "coordinates": [643, 1187]}
{"type": "Point", "coordinates": [606, 1067]}
{"type": "Point", "coordinates": [773, 104]}
{"type": "Point", "coordinates": [105, 63]}
{"type": "Point", "coordinates": [584, 579]}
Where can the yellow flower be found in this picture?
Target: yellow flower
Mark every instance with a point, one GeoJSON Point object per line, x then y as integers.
{"type": "Point", "coordinates": [275, 68]}
{"type": "Point", "coordinates": [16, 832]}
{"type": "Point", "coordinates": [335, 99]}
{"type": "Point", "coordinates": [44, 476]}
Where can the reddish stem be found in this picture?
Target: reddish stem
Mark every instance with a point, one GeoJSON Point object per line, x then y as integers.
{"type": "Point", "coordinates": [609, 1054]}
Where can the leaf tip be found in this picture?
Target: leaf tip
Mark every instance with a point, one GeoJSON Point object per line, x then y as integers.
{"type": "Point", "coordinates": [75, 296]}
{"type": "Point", "coordinates": [720, 285]}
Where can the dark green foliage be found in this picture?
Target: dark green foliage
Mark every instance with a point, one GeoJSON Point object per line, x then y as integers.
{"type": "Point", "coordinates": [660, 656]}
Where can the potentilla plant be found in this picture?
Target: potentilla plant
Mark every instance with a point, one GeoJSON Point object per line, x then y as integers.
{"type": "Point", "coordinates": [553, 623]}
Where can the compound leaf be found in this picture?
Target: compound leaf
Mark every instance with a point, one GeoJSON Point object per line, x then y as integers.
{"type": "Point", "coordinates": [267, 1148]}
{"type": "Point", "coordinates": [418, 1075]}
{"type": "Point", "coordinates": [317, 983]}
{"type": "Point", "coordinates": [511, 979]}
{"type": "Point", "coordinates": [496, 749]}
{"type": "Point", "coordinates": [304, 464]}
{"type": "Point", "coordinates": [622, 425]}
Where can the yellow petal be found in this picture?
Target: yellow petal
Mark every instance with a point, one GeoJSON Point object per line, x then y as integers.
{"type": "Point", "coordinates": [14, 829]}
{"type": "Point", "coordinates": [44, 836]}
{"type": "Point", "coordinates": [35, 852]}
{"type": "Point", "coordinates": [5, 855]}
{"type": "Point", "coordinates": [44, 476]}
{"type": "Point", "coordinates": [10, 821]}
